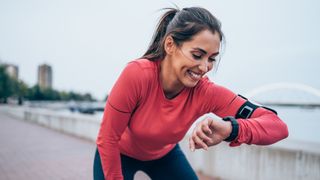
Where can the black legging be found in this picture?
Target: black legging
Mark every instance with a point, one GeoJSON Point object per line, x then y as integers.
{"type": "Point", "coordinates": [174, 165]}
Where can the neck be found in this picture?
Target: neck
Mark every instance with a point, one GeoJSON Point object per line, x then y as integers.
{"type": "Point", "coordinates": [170, 83]}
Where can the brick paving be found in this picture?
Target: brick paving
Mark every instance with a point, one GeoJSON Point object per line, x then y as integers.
{"type": "Point", "coordinates": [29, 151]}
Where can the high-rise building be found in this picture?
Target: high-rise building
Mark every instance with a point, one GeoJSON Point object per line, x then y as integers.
{"type": "Point", "coordinates": [12, 70]}
{"type": "Point", "coordinates": [45, 76]}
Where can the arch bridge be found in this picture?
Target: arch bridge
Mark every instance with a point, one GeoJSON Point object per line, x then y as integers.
{"type": "Point", "coordinates": [287, 87]}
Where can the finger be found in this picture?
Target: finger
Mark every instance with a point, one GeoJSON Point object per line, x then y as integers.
{"type": "Point", "coordinates": [198, 146]}
{"type": "Point", "coordinates": [211, 141]}
{"type": "Point", "coordinates": [203, 136]}
{"type": "Point", "coordinates": [199, 142]}
{"type": "Point", "coordinates": [206, 129]}
{"type": "Point", "coordinates": [191, 144]}
{"type": "Point", "coordinates": [206, 126]}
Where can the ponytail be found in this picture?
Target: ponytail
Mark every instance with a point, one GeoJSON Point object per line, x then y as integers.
{"type": "Point", "coordinates": [156, 50]}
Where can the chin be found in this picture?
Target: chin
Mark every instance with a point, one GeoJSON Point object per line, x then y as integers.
{"type": "Point", "coordinates": [190, 84]}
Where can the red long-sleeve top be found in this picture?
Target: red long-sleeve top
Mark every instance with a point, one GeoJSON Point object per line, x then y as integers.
{"type": "Point", "coordinates": [140, 122]}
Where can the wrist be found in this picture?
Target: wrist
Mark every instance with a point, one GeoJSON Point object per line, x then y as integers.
{"type": "Point", "coordinates": [228, 129]}
{"type": "Point", "coordinates": [233, 133]}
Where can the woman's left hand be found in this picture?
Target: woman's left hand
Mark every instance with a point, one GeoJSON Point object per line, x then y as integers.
{"type": "Point", "coordinates": [209, 132]}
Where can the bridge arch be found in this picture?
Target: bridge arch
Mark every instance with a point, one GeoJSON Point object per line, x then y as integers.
{"type": "Point", "coordinates": [281, 86]}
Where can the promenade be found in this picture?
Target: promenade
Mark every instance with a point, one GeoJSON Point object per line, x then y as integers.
{"type": "Point", "coordinates": [34, 145]}
{"type": "Point", "coordinates": [30, 151]}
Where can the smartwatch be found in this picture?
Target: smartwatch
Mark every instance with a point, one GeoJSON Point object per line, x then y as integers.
{"type": "Point", "coordinates": [235, 128]}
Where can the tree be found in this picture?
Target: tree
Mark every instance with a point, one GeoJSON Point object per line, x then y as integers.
{"type": "Point", "coordinates": [10, 87]}
{"type": "Point", "coordinates": [6, 85]}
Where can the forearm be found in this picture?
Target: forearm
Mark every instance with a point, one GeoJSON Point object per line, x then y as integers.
{"type": "Point", "coordinates": [112, 127]}
{"type": "Point", "coordinates": [110, 160]}
{"type": "Point", "coordinates": [263, 128]}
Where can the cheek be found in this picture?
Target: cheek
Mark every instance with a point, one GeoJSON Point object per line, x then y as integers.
{"type": "Point", "coordinates": [211, 66]}
{"type": "Point", "coordinates": [184, 64]}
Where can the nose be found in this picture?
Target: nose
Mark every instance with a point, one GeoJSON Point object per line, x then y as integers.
{"type": "Point", "coordinates": [203, 66]}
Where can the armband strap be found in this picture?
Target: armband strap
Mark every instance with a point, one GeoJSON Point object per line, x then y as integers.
{"type": "Point", "coordinates": [272, 110]}
{"type": "Point", "coordinates": [247, 109]}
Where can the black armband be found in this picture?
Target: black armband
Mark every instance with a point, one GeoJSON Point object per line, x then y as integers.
{"type": "Point", "coordinates": [247, 109]}
{"type": "Point", "coordinates": [235, 128]}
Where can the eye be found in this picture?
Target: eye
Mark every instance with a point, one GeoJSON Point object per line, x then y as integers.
{"type": "Point", "coordinates": [197, 56]}
{"type": "Point", "coordinates": [212, 59]}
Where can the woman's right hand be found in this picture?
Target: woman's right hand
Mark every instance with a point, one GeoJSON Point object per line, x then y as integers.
{"type": "Point", "coordinates": [209, 132]}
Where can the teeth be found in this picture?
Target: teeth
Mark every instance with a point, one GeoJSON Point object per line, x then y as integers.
{"type": "Point", "coordinates": [195, 75]}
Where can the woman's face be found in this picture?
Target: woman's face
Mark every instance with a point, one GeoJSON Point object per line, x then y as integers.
{"type": "Point", "coordinates": [194, 58]}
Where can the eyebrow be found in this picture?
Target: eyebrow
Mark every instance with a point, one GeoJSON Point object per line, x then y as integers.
{"type": "Point", "coordinates": [205, 52]}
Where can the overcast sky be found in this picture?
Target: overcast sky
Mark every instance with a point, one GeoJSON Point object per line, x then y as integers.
{"type": "Point", "coordinates": [88, 42]}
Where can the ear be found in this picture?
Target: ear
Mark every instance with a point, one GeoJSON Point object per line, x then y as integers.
{"type": "Point", "coordinates": [169, 45]}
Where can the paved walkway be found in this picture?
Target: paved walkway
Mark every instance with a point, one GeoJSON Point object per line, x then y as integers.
{"type": "Point", "coordinates": [29, 151]}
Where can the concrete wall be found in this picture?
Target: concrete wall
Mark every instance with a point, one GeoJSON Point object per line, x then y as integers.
{"type": "Point", "coordinates": [286, 160]}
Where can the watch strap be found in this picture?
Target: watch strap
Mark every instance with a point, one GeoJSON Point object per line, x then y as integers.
{"type": "Point", "coordinates": [235, 128]}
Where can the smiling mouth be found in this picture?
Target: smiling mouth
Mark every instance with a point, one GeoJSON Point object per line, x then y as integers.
{"type": "Point", "coordinates": [194, 76]}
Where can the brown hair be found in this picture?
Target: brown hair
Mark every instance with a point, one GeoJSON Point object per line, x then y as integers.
{"type": "Point", "coordinates": [182, 25]}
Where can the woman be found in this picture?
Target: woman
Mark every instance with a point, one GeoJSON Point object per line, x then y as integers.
{"type": "Point", "coordinates": [158, 97]}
